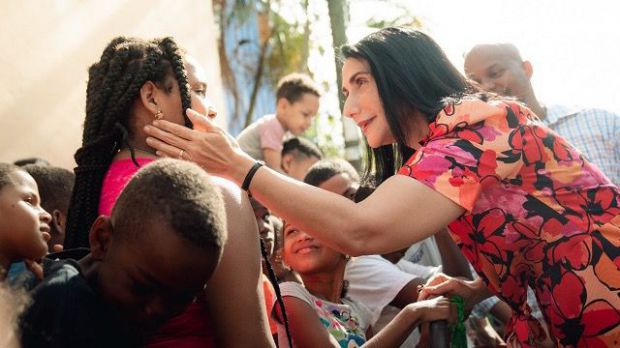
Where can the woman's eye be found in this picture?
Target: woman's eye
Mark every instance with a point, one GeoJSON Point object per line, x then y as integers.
{"type": "Point", "coordinates": [29, 200]}
{"type": "Point", "coordinates": [360, 82]}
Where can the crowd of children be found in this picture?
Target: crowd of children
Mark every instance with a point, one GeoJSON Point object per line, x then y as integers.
{"type": "Point", "coordinates": [133, 249]}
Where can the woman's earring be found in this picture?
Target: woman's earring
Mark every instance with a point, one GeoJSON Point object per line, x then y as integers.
{"type": "Point", "coordinates": [159, 115]}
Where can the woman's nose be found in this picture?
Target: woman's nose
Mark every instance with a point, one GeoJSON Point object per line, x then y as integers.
{"type": "Point", "coordinates": [350, 108]}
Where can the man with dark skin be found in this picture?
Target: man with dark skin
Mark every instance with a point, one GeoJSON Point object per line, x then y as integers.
{"type": "Point", "coordinates": [499, 68]}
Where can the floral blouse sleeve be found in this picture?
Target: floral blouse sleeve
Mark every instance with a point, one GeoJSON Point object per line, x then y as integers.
{"type": "Point", "coordinates": [470, 145]}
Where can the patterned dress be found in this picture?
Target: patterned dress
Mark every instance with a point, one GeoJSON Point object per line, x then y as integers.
{"type": "Point", "coordinates": [537, 214]}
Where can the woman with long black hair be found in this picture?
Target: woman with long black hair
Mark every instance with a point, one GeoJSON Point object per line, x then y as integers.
{"type": "Point", "coordinates": [522, 203]}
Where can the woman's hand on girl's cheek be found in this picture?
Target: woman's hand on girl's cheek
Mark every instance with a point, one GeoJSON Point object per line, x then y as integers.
{"type": "Point", "coordinates": [205, 124]}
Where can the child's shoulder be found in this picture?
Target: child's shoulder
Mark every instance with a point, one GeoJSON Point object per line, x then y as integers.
{"type": "Point", "coordinates": [63, 281]}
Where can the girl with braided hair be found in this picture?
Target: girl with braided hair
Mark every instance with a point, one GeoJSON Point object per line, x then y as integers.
{"type": "Point", "coordinates": [135, 82]}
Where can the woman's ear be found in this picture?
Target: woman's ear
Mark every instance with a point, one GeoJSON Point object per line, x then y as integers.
{"type": "Point", "coordinates": [148, 92]}
{"type": "Point", "coordinates": [100, 237]}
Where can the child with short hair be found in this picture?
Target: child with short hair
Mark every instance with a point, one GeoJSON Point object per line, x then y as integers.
{"type": "Point", "coordinates": [55, 187]}
{"type": "Point", "coordinates": [298, 155]}
{"type": "Point", "coordinates": [147, 263]}
{"type": "Point", "coordinates": [297, 103]}
{"type": "Point", "coordinates": [24, 225]}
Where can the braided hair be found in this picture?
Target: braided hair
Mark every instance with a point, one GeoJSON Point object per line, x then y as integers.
{"type": "Point", "coordinates": [114, 83]}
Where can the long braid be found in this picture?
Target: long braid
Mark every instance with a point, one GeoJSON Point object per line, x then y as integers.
{"type": "Point", "coordinates": [114, 84]}
{"type": "Point", "coordinates": [273, 279]}
{"type": "Point", "coordinates": [176, 59]}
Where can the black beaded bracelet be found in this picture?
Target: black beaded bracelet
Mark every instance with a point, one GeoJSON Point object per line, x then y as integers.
{"type": "Point", "coordinates": [248, 177]}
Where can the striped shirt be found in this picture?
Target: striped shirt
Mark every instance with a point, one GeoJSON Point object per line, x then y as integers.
{"type": "Point", "coordinates": [595, 132]}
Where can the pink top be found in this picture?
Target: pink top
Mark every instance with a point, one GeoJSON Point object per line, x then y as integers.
{"type": "Point", "coordinates": [115, 180]}
{"type": "Point", "coordinates": [266, 133]}
{"type": "Point", "coordinates": [271, 133]}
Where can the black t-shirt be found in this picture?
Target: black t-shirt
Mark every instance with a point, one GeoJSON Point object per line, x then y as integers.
{"type": "Point", "coordinates": [67, 312]}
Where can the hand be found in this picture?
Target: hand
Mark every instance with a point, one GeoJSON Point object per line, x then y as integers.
{"type": "Point", "coordinates": [35, 267]}
{"type": "Point", "coordinates": [438, 308]}
{"type": "Point", "coordinates": [207, 145]}
{"type": "Point", "coordinates": [440, 284]}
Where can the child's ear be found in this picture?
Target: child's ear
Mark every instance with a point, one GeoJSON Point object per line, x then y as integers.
{"type": "Point", "coordinates": [286, 162]}
{"type": "Point", "coordinates": [100, 237]}
{"type": "Point", "coordinates": [282, 105]}
{"type": "Point", "coordinates": [147, 96]}
{"type": "Point", "coordinates": [59, 221]}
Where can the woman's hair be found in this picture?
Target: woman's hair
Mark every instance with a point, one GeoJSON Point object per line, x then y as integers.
{"type": "Point", "coordinates": [412, 74]}
{"type": "Point", "coordinates": [114, 84]}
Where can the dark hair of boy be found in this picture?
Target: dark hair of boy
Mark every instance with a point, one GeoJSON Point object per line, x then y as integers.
{"type": "Point", "coordinates": [292, 87]}
{"type": "Point", "coordinates": [326, 169]}
{"type": "Point", "coordinates": [55, 186]}
{"type": "Point", "coordinates": [174, 192]}
{"type": "Point", "coordinates": [117, 294]}
{"type": "Point", "coordinates": [114, 84]}
{"type": "Point", "coordinates": [31, 160]}
{"type": "Point", "coordinates": [301, 146]}
{"type": "Point", "coordinates": [5, 170]}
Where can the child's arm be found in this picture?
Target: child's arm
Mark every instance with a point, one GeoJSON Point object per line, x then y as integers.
{"type": "Point", "coordinates": [305, 325]}
{"type": "Point", "coordinates": [273, 159]}
{"type": "Point", "coordinates": [397, 331]}
{"type": "Point", "coordinates": [453, 261]}
{"type": "Point", "coordinates": [234, 292]}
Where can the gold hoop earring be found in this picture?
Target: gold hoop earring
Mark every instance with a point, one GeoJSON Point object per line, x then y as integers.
{"type": "Point", "coordinates": [159, 115]}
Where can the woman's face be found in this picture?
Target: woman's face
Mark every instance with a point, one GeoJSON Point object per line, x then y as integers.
{"type": "Point", "coordinates": [305, 255]}
{"type": "Point", "coordinates": [363, 104]}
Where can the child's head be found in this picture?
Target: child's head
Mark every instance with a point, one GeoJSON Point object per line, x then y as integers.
{"type": "Point", "coordinates": [266, 228]}
{"type": "Point", "coordinates": [335, 175]}
{"type": "Point", "coordinates": [297, 102]}
{"type": "Point", "coordinates": [298, 154]}
{"type": "Point", "coordinates": [55, 186]}
{"type": "Point", "coordinates": [306, 255]}
{"type": "Point", "coordinates": [24, 225]}
{"type": "Point", "coordinates": [134, 82]}
{"type": "Point", "coordinates": [161, 244]}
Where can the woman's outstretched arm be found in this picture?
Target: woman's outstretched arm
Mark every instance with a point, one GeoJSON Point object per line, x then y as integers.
{"type": "Point", "coordinates": [400, 212]}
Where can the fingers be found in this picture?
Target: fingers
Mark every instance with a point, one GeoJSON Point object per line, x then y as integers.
{"type": "Point", "coordinates": [56, 248]}
{"type": "Point", "coordinates": [35, 268]}
{"type": "Point", "coordinates": [172, 128]}
{"type": "Point", "coordinates": [162, 148]}
{"type": "Point", "coordinates": [449, 287]}
{"type": "Point", "coordinates": [200, 122]}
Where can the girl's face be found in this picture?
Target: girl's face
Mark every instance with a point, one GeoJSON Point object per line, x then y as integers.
{"type": "Point", "coordinates": [170, 103]}
{"type": "Point", "coordinates": [363, 103]}
{"type": "Point", "coordinates": [24, 225]}
{"type": "Point", "coordinates": [305, 255]}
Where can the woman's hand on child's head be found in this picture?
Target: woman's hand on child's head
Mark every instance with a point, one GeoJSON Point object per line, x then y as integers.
{"type": "Point", "coordinates": [207, 145]}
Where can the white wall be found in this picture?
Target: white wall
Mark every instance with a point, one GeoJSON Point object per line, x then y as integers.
{"type": "Point", "coordinates": [47, 47]}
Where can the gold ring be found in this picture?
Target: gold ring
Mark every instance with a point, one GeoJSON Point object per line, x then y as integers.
{"type": "Point", "coordinates": [181, 153]}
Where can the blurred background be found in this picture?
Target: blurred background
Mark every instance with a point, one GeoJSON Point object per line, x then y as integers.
{"type": "Point", "coordinates": [246, 46]}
